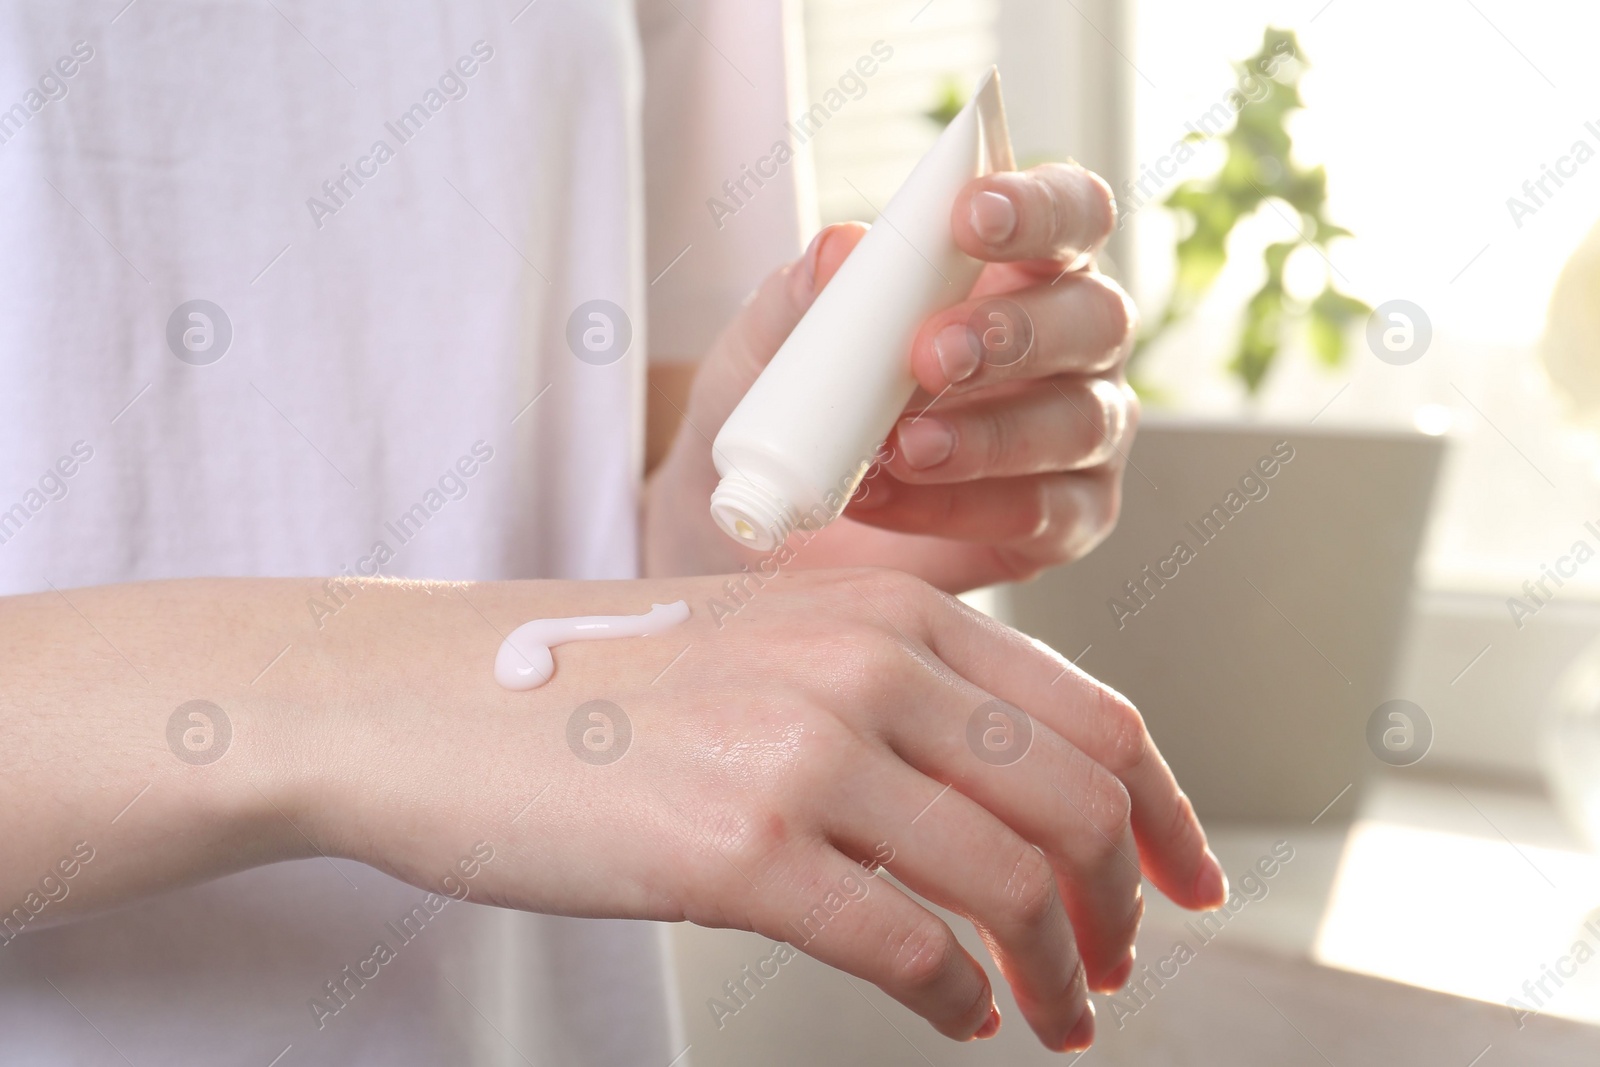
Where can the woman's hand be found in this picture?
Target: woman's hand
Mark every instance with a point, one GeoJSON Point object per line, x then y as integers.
{"type": "Point", "coordinates": [749, 762]}
{"type": "Point", "coordinates": [743, 768]}
{"type": "Point", "coordinates": [1002, 466]}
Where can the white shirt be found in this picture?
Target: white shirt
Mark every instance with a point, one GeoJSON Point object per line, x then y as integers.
{"type": "Point", "coordinates": [363, 345]}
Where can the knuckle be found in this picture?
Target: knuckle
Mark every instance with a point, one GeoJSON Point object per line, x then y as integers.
{"type": "Point", "coordinates": [1027, 521]}
{"type": "Point", "coordinates": [1078, 984]}
{"type": "Point", "coordinates": [773, 284]}
{"type": "Point", "coordinates": [1135, 917]}
{"type": "Point", "coordinates": [728, 845]}
{"type": "Point", "coordinates": [876, 594]}
{"type": "Point", "coordinates": [1057, 215]}
{"type": "Point", "coordinates": [1019, 566]}
{"type": "Point", "coordinates": [1124, 738]}
{"type": "Point", "coordinates": [753, 842]}
{"type": "Point", "coordinates": [1099, 202]}
{"type": "Point", "coordinates": [1102, 414]}
{"type": "Point", "coordinates": [1115, 309]}
{"type": "Point", "coordinates": [924, 955]}
{"type": "Point", "coordinates": [997, 439]}
{"type": "Point", "coordinates": [1113, 516]}
{"type": "Point", "coordinates": [1112, 509]}
{"type": "Point", "coordinates": [884, 586]}
{"type": "Point", "coordinates": [824, 746]}
{"type": "Point", "coordinates": [1131, 313]}
{"type": "Point", "coordinates": [1100, 813]}
{"type": "Point", "coordinates": [1107, 807]}
{"type": "Point", "coordinates": [1126, 933]}
{"type": "Point", "coordinates": [869, 662]}
{"type": "Point", "coordinates": [1034, 509]}
{"type": "Point", "coordinates": [1088, 501]}
{"type": "Point", "coordinates": [1030, 890]}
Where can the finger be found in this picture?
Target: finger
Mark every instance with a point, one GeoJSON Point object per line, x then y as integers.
{"type": "Point", "coordinates": [1087, 713]}
{"type": "Point", "coordinates": [1058, 211]}
{"type": "Point", "coordinates": [1065, 423]}
{"type": "Point", "coordinates": [1051, 516]}
{"type": "Point", "coordinates": [950, 850]}
{"type": "Point", "coordinates": [869, 928]}
{"type": "Point", "coordinates": [1105, 726]}
{"type": "Point", "coordinates": [1044, 791]}
{"type": "Point", "coordinates": [759, 329]}
{"type": "Point", "coordinates": [1081, 324]}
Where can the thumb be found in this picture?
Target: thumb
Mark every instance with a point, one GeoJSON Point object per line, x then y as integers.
{"type": "Point", "coordinates": [750, 341]}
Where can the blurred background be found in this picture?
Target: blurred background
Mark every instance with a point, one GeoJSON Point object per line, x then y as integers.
{"type": "Point", "coordinates": [1363, 232]}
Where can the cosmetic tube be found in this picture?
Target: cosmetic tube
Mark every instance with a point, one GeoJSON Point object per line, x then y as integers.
{"type": "Point", "coordinates": [797, 446]}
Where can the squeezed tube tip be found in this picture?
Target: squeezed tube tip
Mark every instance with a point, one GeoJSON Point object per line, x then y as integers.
{"type": "Point", "coordinates": [750, 513]}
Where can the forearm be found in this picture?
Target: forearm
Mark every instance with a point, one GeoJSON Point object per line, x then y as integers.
{"type": "Point", "coordinates": [308, 746]}
{"type": "Point", "coordinates": [87, 686]}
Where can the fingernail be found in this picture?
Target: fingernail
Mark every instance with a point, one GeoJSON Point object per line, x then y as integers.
{"type": "Point", "coordinates": [1082, 1035]}
{"type": "Point", "coordinates": [957, 352]}
{"type": "Point", "coordinates": [1211, 886]}
{"type": "Point", "coordinates": [926, 442]}
{"type": "Point", "coordinates": [806, 276]}
{"type": "Point", "coordinates": [991, 1025]}
{"type": "Point", "coordinates": [994, 217]}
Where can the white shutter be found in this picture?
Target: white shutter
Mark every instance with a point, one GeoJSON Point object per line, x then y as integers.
{"type": "Point", "coordinates": [873, 141]}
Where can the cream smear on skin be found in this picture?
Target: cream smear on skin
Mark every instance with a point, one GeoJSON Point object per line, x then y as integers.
{"type": "Point", "coordinates": [524, 660]}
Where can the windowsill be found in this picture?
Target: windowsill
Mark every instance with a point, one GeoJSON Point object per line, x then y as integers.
{"type": "Point", "coordinates": [1469, 892]}
{"type": "Point", "coordinates": [1439, 893]}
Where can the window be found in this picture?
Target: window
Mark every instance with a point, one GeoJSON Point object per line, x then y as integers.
{"type": "Point", "coordinates": [873, 140]}
{"type": "Point", "coordinates": [1429, 117]}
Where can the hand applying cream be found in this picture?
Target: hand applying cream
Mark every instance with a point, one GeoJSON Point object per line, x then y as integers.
{"type": "Point", "coordinates": [524, 660]}
{"type": "Point", "coordinates": [797, 446]}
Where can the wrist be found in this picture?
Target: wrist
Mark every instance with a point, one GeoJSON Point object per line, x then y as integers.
{"type": "Point", "coordinates": [245, 750]}
{"type": "Point", "coordinates": [417, 754]}
{"type": "Point", "coordinates": [166, 773]}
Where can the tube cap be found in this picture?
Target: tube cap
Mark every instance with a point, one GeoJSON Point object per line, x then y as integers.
{"type": "Point", "coordinates": [751, 511]}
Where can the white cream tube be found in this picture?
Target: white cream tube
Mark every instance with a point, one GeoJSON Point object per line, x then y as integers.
{"type": "Point", "coordinates": [796, 447]}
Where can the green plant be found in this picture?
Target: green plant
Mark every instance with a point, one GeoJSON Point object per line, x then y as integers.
{"type": "Point", "coordinates": [1259, 170]}
{"type": "Point", "coordinates": [952, 97]}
